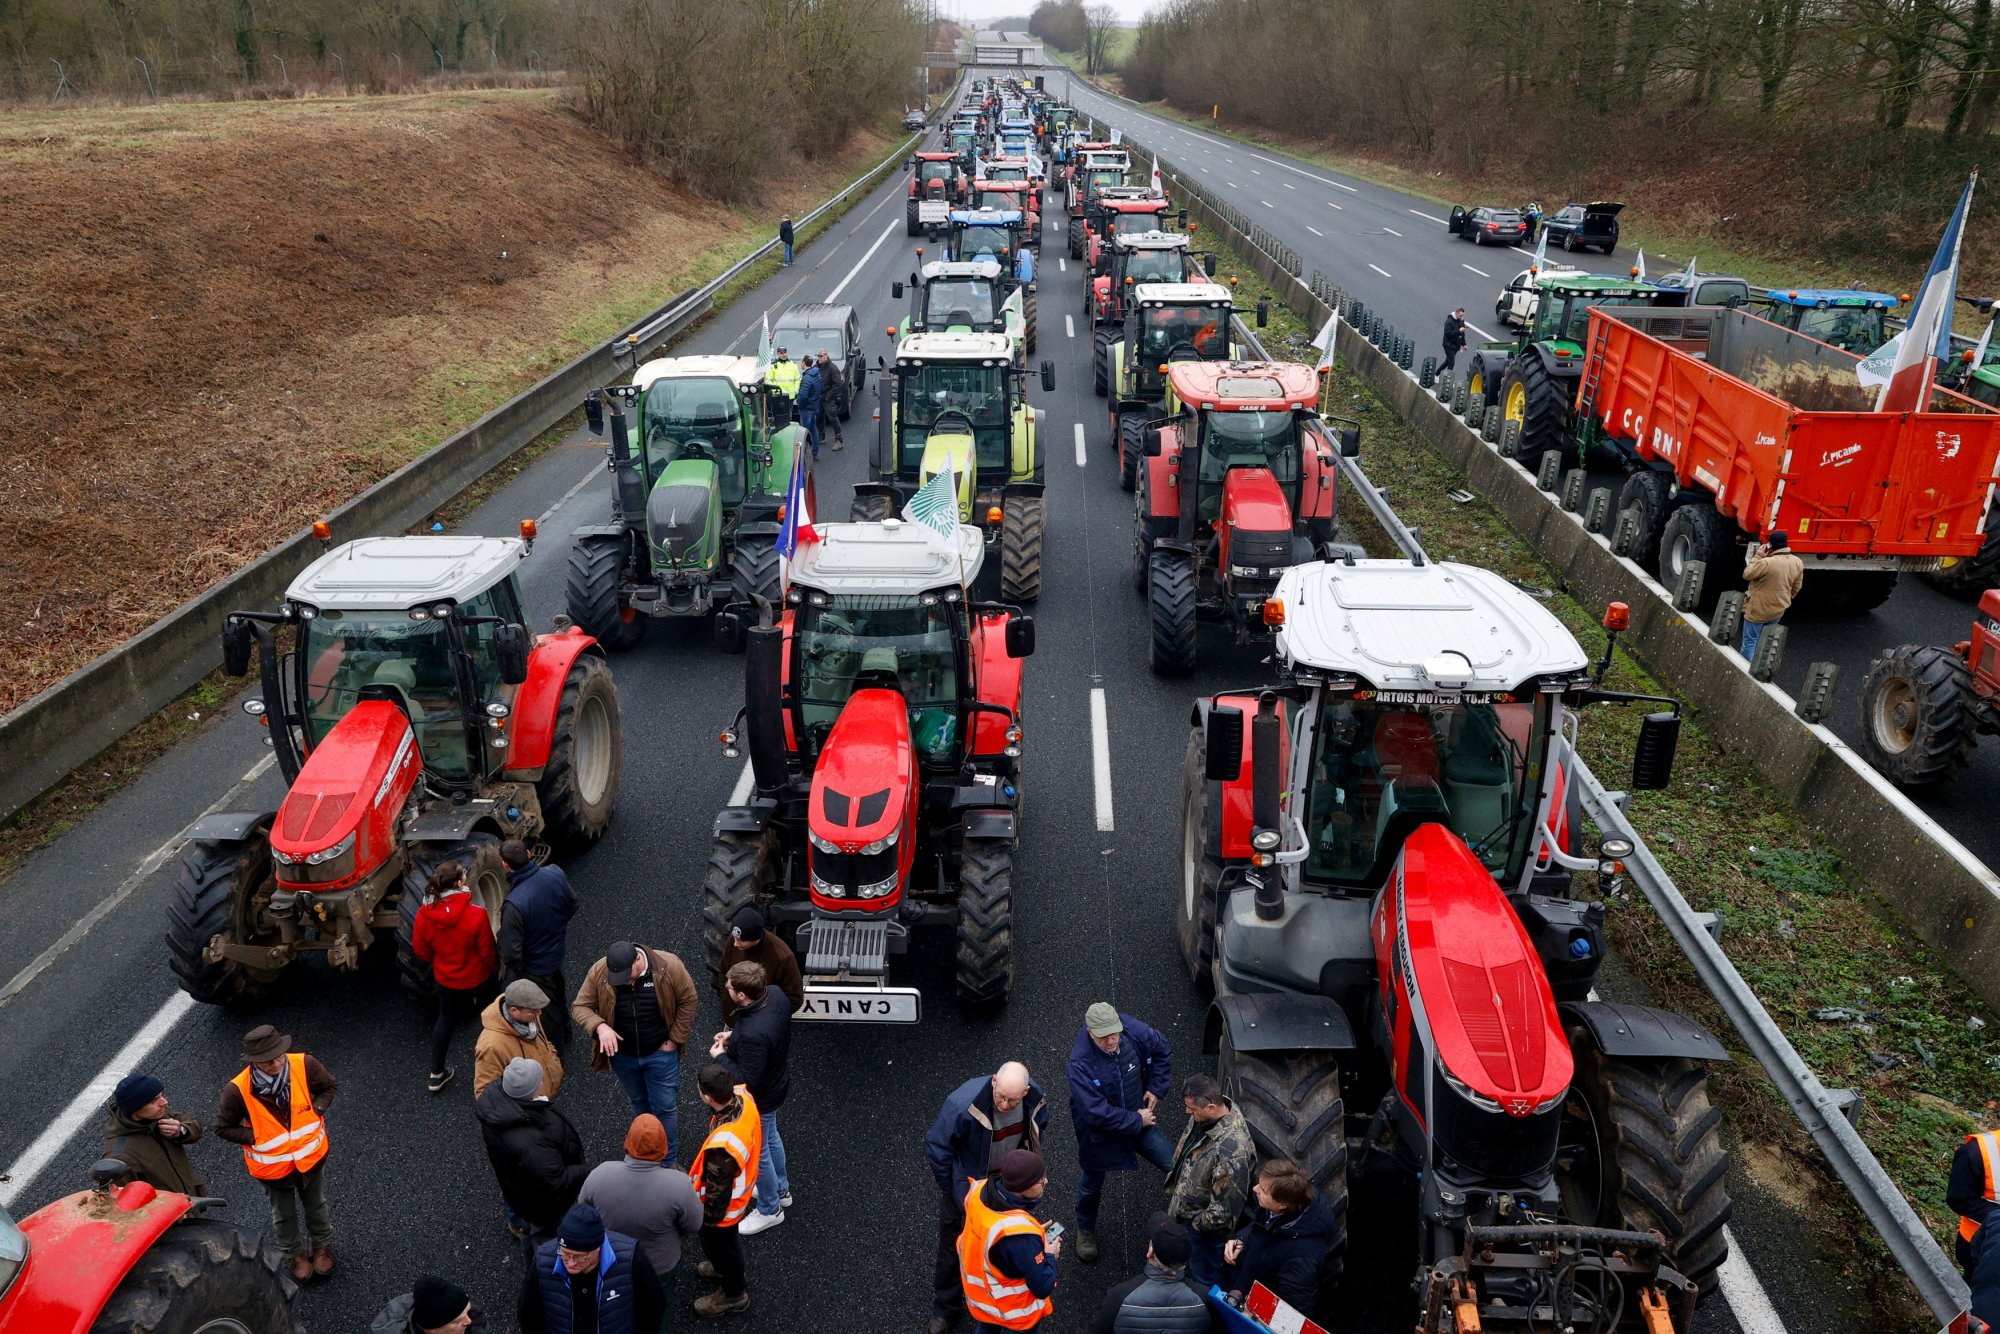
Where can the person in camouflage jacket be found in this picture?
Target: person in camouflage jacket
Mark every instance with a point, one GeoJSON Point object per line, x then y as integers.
{"type": "Point", "coordinates": [1210, 1178]}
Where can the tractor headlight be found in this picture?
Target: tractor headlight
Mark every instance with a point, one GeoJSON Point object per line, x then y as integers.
{"type": "Point", "coordinates": [880, 889]}
{"type": "Point", "coordinates": [1464, 1090]}
{"type": "Point", "coordinates": [1265, 840]}
{"type": "Point", "coordinates": [882, 844]}
{"type": "Point", "coordinates": [822, 844]}
{"type": "Point", "coordinates": [283, 858]}
{"type": "Point", "coordinates": [325, 855]}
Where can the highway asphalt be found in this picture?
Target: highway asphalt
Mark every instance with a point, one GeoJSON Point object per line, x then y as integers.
{"type": "Point", "coordinates": [409, 1183]}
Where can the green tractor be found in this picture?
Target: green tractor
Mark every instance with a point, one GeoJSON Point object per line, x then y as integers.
{"type": "Point", "coordinates": [702, 463]}
{"type": "Point", "coordinates": [1164, 322]}
{"type": "Point", "coordinates": [977, 296]}
{"type": "Point", "coordinates": [959, 401]}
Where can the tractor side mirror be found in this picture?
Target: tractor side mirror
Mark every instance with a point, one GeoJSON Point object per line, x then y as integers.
{"type": "Point", "coordinates": [1263, 311]}
{"type": "Point", "coordinates": [1020, 636]}
{"type": "Point", "coordinates": [1653, 757]}
{"type": "Point", "coordinates": [1350, 442]}
{"type": "Point", "coordinates": [896, 291]}
{"type": "Point", "coordinates": [1150, 442]}
{"type": "Point", "coordinates": [235, 646]}
{"type": "Point", "coordinates": [1048, 377]}
{"type": "Point", "coordinates": [1208, 265]}
{"type": "Point", "coordinates": [593, 414]}
{"type": "Point", "coordinates": [1222, 761]}
{"type": "Point", "coordinates": [510, 646]}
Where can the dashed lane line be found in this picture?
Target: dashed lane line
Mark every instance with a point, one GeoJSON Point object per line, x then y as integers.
{"type": "Point", "coordinates": [1379, 269]}
{"type": "Point", "coordinates": [841, 286]}
{"type": "Point", "coordinates": [1314, 230]}
{"type": "Point", "coordinates": [1310, 175]}
{"type": "Point", "coordinates": [1481, 332]}
{"type": "Point", "coordinates": [1392, 231]}
{"type": "Point", "coordinates": [1432, 216]}
{"type": "Point", "coordinates": [1481, 272]}
{"type": "Point", "coordinates": [1337, 208]}
{"type": "Point", "coordinates": [1080, 458]}
{"type": "Point", "coordinates": [1267, 203]}
{"type": "Point", "coordinates": [1100, 757]}
{"type": "Point", "coordinates": [1069, 325]}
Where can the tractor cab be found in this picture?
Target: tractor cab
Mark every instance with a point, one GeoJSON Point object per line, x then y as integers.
{"type": "Point", "coordinates": [1141, 257]}
{"type": "Point", "coordinates": [938, 176]}
{"type": "Point", "coordinates": [1562, 315]}
{"type": "Point", "coordinates": [975, 297]}
{"type": "Point", "coordinates": [1011, 195]}
{"type": "Point", "coordinates": [1167, 322]}
{"type": "Point", "coordinates": [1128, 210]}
{"type": "Point", "coordinates": [1003, 169]}
{"type": "Point", "coordinates": [1853, 321]}
{"type": "Point", "coordinates": [991, 234]}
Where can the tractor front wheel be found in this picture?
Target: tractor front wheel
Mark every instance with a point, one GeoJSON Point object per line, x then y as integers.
{"type": "Point", "coordinates": [1076, 238]}
{"type": "Point", "coordinates": [1028, 323]}
{"type": "Point", "coordinates": [579, 784]}
{"type": "Point", "coordinates": [742, 868]}
{"type": "Point", "coordinates": [985, 959]}
{"type": "Point", "coordinates": [1195, 925]}
{"type": "Point", "coordinates": [1919, 715]}
{"type": "Point", "coordinates": [203, 1276]}
{"type": "Point", "coordinates": [1131, 443]}
{"type": "Point", "coordinates": [1021, 548]}
{"type": "Point", "coordinates": [485, 875]}
{"type": "Point", "coordinates": [596, 568]}
{"type": "Point", "coordinates": [869, 507]}
{"type": "Point", "coordinates": [1171, 594]}
{"type": "Point", "coordinates": [1100, 363]}
{"type": "Point", "coordinates": [754, 574]}
{"type": "Point", "coordinates": [1537, 400]}
{"type": "Point", "coordinates": [1293, 1105]}
{"type": "Point", "coordinates": [219, 891]}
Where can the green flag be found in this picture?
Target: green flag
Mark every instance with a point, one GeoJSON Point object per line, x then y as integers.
{"type": "Point", "coordinates": [935, 509]}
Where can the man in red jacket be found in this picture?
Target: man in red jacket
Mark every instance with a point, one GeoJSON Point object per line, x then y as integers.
{"type": "Point", "coordinates": [454, 937]}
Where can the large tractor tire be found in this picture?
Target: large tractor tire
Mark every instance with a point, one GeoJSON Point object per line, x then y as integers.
{"type": "Point", "coordinates": [578, 788]}
{"type": "Point", "coordinates": [1644, 1151]}
{"type": "Point", "coordinates": [214, 893]}
{"type": "Point", "coordinates": [1845, 593]}
{"type": "Point", "coordinates": [484, 872]}
{"type": "Point", "coordinates": [1697, 532]}
{"type": "Point", "coordinates": [1028, 323]}
{"type": "Point", "coordinates": [1076, 238]}
{"type": "Point", "coordinates": [1021, 527]}
{"type": "Point", "coordinates": [203, 1276]}
{"type": "Point", "coordinates": [596, 567]}
{"type": "Point", "coordinates": [985, 961]}
{"type": "Point", "coordinates": [1171, 598]}
{"type": "Point", "coordinates": [911, 226]}
{"type": "Point", "coordinates": [1100, 363]}
{"type": "Point", "coordinates": [1919, 715]}
{"type": "Point", "coordinates": [1195, 923]}
{"type": "Point", "coordinates": [1539, 401]}
{"type": "Point", "coordinates": [741, 870]}
{"type": "Point", "coordinates": [1293, 1105]}
{"type": "Point", "coordinates": [754, 573]}
{"type": "Point", "coordinates": [1131, 444]}
{"type": "Point", "coordinates": [870, 507]}
{"type": "Point", "coordinates": [1647, 494]}
{"type": "Point", "coordinates": [1972, 575]}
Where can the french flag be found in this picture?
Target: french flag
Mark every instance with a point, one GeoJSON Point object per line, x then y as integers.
{"type": "Point", "coordinates": [797, 530]}
{"type": "Point", "coordinates": [1927, 337]}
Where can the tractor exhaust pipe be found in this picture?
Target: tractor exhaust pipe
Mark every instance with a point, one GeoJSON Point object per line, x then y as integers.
{"type": "Point", "coordinates": [1266, 833]}
{"type": "Point", "coordinates": [764, 711]}
{"type": "Point", "coordinates": [625, 470]}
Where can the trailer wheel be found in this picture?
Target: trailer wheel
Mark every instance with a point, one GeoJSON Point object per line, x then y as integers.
{"type": "Point", "coordinates": [1131, 443]}
{"type": "Point", "coordinates": [1919, 715]}
{"type": "Point", "coordinates": [1969, 576]}
{"type": "Point", "coordinates": [203, 1276]}
{"type": "Point", "coordinates": [1100, 363]}
{"type": "Point", "coordinates": [985, 960]}
{"type": "Point", "coordinates": [484, 872]}
{"type": "Point", "coordinates": [596, 566]}
{"type": "Point", "coordinates": [1196, 920]}
{"type": "Point", "coordinates": [1643, 1148]}
{"type": "Point", "coordinates": [1170, 584]}
{"type": "Point", "coordinates": [1292, 1103]}
{"type": "Point", "coordinates": [742, 867]}
{"type": "Point", "coordinates": [1645, 494]}
{"type": "Point", "coordinates": [216, 891]}
{"type": "Point", "coordinates": [1021, 529]}
{"type": "Point", "coordinates": [579, 785]}
{"type": "Point", "coordinates": [868, 507]}
{"type": "Point", "coordinates": [1696, 532]}
{"type": "Point", "coordinates": [1533, 397]}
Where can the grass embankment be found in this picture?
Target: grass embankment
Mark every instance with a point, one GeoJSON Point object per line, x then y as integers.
{"type": "Point", "coordinates": [1867, 1005]}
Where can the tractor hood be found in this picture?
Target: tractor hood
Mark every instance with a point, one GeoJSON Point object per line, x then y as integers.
{"type": "Point", "coordinates": [683, 514]}
{"type": "Point", "coordinates": [348, 792]}
{"type": "Point", "coordinates": [1253, 502]}
{"type": "Point", "coordinates": [956, 452]}
{"type": "Point", "coordinates": [861, 791]}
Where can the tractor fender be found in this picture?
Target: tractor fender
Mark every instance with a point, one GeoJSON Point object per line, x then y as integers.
{"type": "Point", "coordinates": [991, 822]}
{"type": "Point", "coordinates": [1024, 489]}
{"type": "Point", "coordinates": [883, 489]}
{"type": "Point", "coordinates": [1642, 1031]}
{"type": "Point", "coordinates": [1277, 1021]}
{"type": "Point", "coordinates": [598, 530]}
{"type": "Point", "coordinates": [751, 819]}
{"type": "Point", "coordinates": [533, 717]}
{"type": "Point", "coordinates": [444, 823]}
{"type": "Point", "coordinates": [758, 529]}
{"type": "Point", "coordinates": [1561, 368]}
{"type": "Point", "coordinates": [229, 826]}
{"type": "Point", "coordinates": [1492, 370]}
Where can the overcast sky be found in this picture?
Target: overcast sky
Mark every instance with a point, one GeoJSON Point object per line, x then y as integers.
{"type": "Point", "coordinates": [1131, 11]}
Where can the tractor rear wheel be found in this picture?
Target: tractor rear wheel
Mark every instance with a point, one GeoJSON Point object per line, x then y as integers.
{"type": "Point", "coordinates": [1076, 238]}
{"type": "Point", "coordinates": [742, 867]}
{"type": "Point", "coordinates": [1643, 1148]}
{"type": "Point", "coordinates": [216, 892]}
{"type": "Point", "coordinates": [1195, 925]}
{"type": "Point", "coordinates": [203, 1276]}
{"type": "Point", "coordinates": [869, 507]}
{"type": "Point", "coordinates": [1028, 323]}
{"type": "Point", "coordinates": [596, 567]}
{"type": "Point", "coordinates": [1919, 715]}
{"type": "Point", "coordinates": [985, 959]}
{"type": "Point", "coordinates": [484, 872]}
{"type": "Point", "coordinates": [579, 785]}
{"type": "Point", "coordinates": [1020, 548]}
{"type": "Point", "coordinates": [911, 226]}
{"type": "Point", "coordinates": [1131, 440]}
{"type": "Point", "coordinates": [1171, 596]}
{"type": "Point", "coordinates": [754, 573]}
{"type": "Point", "coordinates": [1697, 532]}
{"type": "Point", "coordinates": [1969, 576]}
{"type": "Point", "coordinates": [1537, 400]}
{"type": "Point", "coordinates": [1100, 363]}
{"type": "Point", "coordinates": [1645, 493]}
{"type": "Point", "coordinates": [1293, 1105]}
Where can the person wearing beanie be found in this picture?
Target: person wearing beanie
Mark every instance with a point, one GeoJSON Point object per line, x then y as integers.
{"type": "Point", "coordinates": [1006, 1259]}
{"type": "Point", "coordinates": [433, 1305]}
{"type": "Point", "coordinates": [151, 1138]}
{"type": "Point", "coordinates": [511, 1027]}
{"type": "Point", "coordinates": [1775, 577]}
{"type": "Point", "coordinates": [637, 1007]}
{"type": "Point", "coordinates": [648, 1199]}
{"type": "Point", "coordinates": [1119, 1070]}
{"type": "Point", "coordinates": [1161, 1298]}
{"type": "Point", "coordinates": [591, 1279]}
{"type": "Point", "coordinates": [275, 1110]}
{"type": "Point", "coordinates": [750, 942]}
{"type": "Point", "coordinates": [453, 939]}
{"type": "Point", "coordinates": [537, 1155]}
{"type": "Point", "coordinates": [725, 1171]}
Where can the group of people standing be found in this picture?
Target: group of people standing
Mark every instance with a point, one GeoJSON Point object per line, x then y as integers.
{"type": "Point", "coordinates": [816, 392]}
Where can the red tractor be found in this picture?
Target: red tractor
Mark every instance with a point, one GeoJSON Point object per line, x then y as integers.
{"type": "Point", "coordinates": [414, 723]}
{"type": "Point", "coordinates": [1133, 258]}
{"type": "Point", "coordinates": [1924, 707]}
{"type": "Point", "coordinates": [937, 185]}
{"type": "Point", "coordinates": [134, 1260]}
{"type": "Point", "coordinates": [1376, 886]}
{"type": "Point", "coordinates": [1122, 211]}
{"type": "Point", "coordinates": [1236, 486]}
{"type": "Point", "coordinates": [883, 721]}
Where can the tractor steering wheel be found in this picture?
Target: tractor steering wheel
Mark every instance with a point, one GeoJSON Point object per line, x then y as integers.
{"type": "Point", "coordinates": [698, 449]}
{"type": "Point", "coordinates": [954, 416]}
{"type": "Point", "coordinates": [1183, 351]}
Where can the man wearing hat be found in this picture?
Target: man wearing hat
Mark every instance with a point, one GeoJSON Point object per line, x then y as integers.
{"type": "Point", "coordinates": [1775, 577]}
{"type": "Point", "coordinates": [537, 1155]}
{"type": "Point", "coordinates": [432, 1306]}
{"type": "Point", "coordinates": [648, 1199]}
{"type": "Point", "coordinates": [637, 1007]}
{"type": "Point", "coordinates": [1161, 1299]}
{"type": "Point", "coordinates": [150, 1138]}
{"type": "Point", "coordinates": [591, 1280]}
{"type": "Point", "coordinates": [749, 942]}
{"type": "Point", "coordinates": [1006, 1259]}
{"type": "Point", "coordinates": [782, 377]}
{"type": "Point", "coordinates": [511, 1028]}
{"type": "Point", "coordinates": [1119, 1070]}
{"type": "Point", "coordinates": [275, 1109]}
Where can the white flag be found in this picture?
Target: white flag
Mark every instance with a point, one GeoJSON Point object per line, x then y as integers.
{"type": "Point", "coordinates": [1687, 277]}
{"type": "Point", "coordinates": [1324, 339]}
{"type": "Point", "coordinates": [1541, 255]}
{"type": "Point", "coordinates": [1641, 274]}
{"type": "Point", "coordinates": [934, 508]}
{"type": "Point", "coordinates": [1159, 190]}
{"type": "Point", "coordinates": [1979, 352]}
{"type": "Point", "coordinates": [764, 344]}
{"type": "Point", "coordinates": [1118, 136]}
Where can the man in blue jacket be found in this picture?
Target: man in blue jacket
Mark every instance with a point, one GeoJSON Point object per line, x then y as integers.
{"type": "Point", "coordinates": [534, 931]}
{"type": "Point", "coordinates": [588, 1278]}
{"type": "Point", "coordinates": [982, 1121]}
{"type": "Point", "coordinates": [1118, 1072]}
{"type": "Point", "coordinates": [812, 389]}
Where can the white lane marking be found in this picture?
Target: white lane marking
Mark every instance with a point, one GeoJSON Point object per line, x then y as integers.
{"type": "Point", "coordinates": [1481, 332]}
{"type": "Point", "coordinates": [1069, 325]}
{"type": "Point", "coordinates": [1100, 756]}
{"type": "Point", "coordinates": [1062, 264]}
{"type": "Point", "coordinates": [1337, 208]}
{"type": "Point", "coordinates": [1314, 230]}
{"type": "Point", "coordinates": [1392, 231]}
{"type": "Point", "coordinates": [87, 1107]}
{"type": "Point", "coordinates": [1379, 269]}
{"type": "Point", "coordinates": [1745, 1294]}
{"type": "Point", "coordinates": [567, 496]}
{"type": "Point", "coordinates": [1230, 160]}
{"type": "Point", "coordinates": [141, 873]}
{"type": "Point", "coordinates": [1267, 203]}
{"type": "Point", "coordinates": [1288, 185]}
{"type": "Point", "coordinates": [841, 286]}
{"type": "Point", "coordinates": [1255, 172]}
{"type": "Point", "coordinates": [1481, 272]}
{"type": "Point", "coordinates": [1230, 184]}
{"type": "Point", "coordinates": [1079, 445]}
{"type": "Point", "coordinates": [1432, 216]}
{"type": "Point", "coordinates": [744, 782]}
{"type": "Point", "coordinates": [1312, 176]}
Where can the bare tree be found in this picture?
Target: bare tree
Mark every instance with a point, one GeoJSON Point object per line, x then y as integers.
{"type": "Point", "coordinates": [1100, 25]}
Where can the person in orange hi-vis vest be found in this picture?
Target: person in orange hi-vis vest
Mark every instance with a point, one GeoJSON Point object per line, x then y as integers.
{"type": "Point", "coordinates": [276, 1109]}
{"type": "Point", "coordinates": [725, 1174]}
{"type": "Point", "coordinates": [1975, 1168]}
{"type": "Point", "coordinates": [1006, 1260]}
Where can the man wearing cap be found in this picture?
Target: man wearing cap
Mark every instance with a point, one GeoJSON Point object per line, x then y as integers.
{"type": "Point", "coordinates": [432, 1306]}
{"type": "Point", "coordinates": [749, 942]}
{"type": "Point", "coordinates": [588, 1279]}
{"type": "Point", "coordinates": [151, 1138]}
{"type": "Point", "coordinates": [537, 1155]}
{"type": "Point", "coordinates": [637, 1006]}
{"type": "Point", "coordinates": [1775, 577]}
{"type": "Point", "coordinates": [511, 1027]}
{"type": "Point", "coordinates": [275, 1109]}
{"type": "Point", "coordinates": [1161, 1299]}
{"type": "Point", "coordinates": [1006, 1259]}
{"type": "Point", "coordinates": [725, 1171]}
{"type": "Point", "coordinates": [982, 1121]}
{"type": "Point", "coordinates": [648, 1199]}
{"type": "Point", "coordinates": [782, 377]}
{"type": "Point", "coordinates": [1119, 1070]}
{"type": "Point", "coordinates": [534, 928]}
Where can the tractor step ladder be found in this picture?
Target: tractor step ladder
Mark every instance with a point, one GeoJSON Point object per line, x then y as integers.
{"type": "Point", "coordinates": [835, 947]}
{"type": "Point", "coordinates": [1593, 364]}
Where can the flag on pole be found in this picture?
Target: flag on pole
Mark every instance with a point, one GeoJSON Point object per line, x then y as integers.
{"type": "Point", "coordinates": [1927, 337]}
{"type": "Point", "coordinates": [797, 530]}
{"type": "Point", "coordinates": [1159, 190]}
{"type": "Point", "coordinates": [1323, 340]}
{"type": "Point", "coordinates": [1641, 274]}
{"type": "Point", "coordinates": [1117, 136]}
{"type": "Point", "coordinates": [1979, 352]}
{"type": "Point", "coordinates": [1687, 274]}
{"type": "Point", "coordinates": [1541, 255]}
{"type": "Point", "coordinates": [764, 344]}
{"type": "Point", "coordinates": [934, 508]}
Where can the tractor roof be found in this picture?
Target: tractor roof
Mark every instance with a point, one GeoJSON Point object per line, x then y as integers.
{"type": "Point", "coordinates": [884, 557]}
{"type": "Point", "coordinates": [1596, 283]}
{"type": "Point", "coordinates": [1822, 297]}
{"type": "Point", "coordinates": [743, 370]}
{"type": "Point", "coordinates": [937, 156]}
{"type": "Point", "coordinates": [1153, 240]}
{"type": "Point", "coordinates": [396, 573]}
{"type": "Point", "coordinates": [988, 269]}
{"type": "Point", "coordinates": [1400, 626]}
{"type": "Point", "coordinates": [986, 217]}
{"type": "Point", "coordinates": [1246, 386]}
{"type": "Point", "coordinates": [1132, 203]}
{"type": "Point", "coordinates": [956, 347]}
{"type": "Point", "coordinates": [1180, 294]}
{"type": "Point", "coordinates": [812, 314]}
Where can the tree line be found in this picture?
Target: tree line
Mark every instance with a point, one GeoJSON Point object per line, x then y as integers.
{"type": "Point", "coordinates": [1070, 25]}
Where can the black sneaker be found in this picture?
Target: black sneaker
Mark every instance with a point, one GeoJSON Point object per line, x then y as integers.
{"type": "Point", "coordinates": [438, 1081]}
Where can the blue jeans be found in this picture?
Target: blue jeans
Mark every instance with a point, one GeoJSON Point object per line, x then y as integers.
{"type": "Point", "coordinates": [788, 252]}
{"type": "Point", "coordinates": [809, 423]}
{"type": "Point", "coordinates": [1205, 1257]}
{"type": "Point", "coordinates": [1153, 1145]}
{"type": "Point", "coordinates": [771, 1179]}
{"type": "Point", "coordinates": [652, 1084]}
{"type": "Point", "coordinates": [1752, 632]}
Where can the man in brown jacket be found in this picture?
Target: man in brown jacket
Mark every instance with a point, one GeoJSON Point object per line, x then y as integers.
{"type": "Point", "coordinates": [637, 1005]}
{"type": "Point", "coordinates": [151, 1138]}
{"type": "Point", "coordinates": [1775, 576]}
{"type": "Point", "coordinates": [749, 942]}
{"type": "Point", "coordinates": [512, 1027]}
{"type": "Point", "coordinates": [282, 1129]}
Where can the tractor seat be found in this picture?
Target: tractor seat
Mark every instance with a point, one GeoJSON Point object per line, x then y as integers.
{"type": "Point", "coordinates": [1406, 748]}
{"type": "Point", "coordinates": [400, 676]}
{"type": "Point", "coordinates": [1407, 805]}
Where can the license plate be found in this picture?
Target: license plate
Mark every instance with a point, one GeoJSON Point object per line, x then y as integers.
{"type": "Point", "coordinates": [862, 1005]}
{"type": "Point", "coordinates": [932, 211]}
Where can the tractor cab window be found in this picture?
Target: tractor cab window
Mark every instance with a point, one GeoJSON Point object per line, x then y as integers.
{"type": "Point", "coordinates": [1125, 224]}
{"type": "Point", "coordinates": [342, 653]}
{"type": "Point", "coordinates": [904, 642]}
{"type": "Point", "coordinates": [934, 171]}
{"type": "Point", "coordinates": [1249, 440]}
{"type": "Point", "coordinates": [695, 419]}
{"type": "Point", "coordinates": [1006, 174]}
{"type": "Point", "coordinates": [1164, 328]}
{"type": "Point", "coordinates": [1380, 770]}
{"type": "Point", "coordinates": [994, 243]}
{"type": "Point", "coordinates": [954, 302]}
{"type": "Point", "coordinates": [1856, 329]}
{"type": "Point", "coordinates": [1156, 266]}
{"type": "Point", "coordinates": [939, 395]}
{"type": "Point", "coordinates": [1567, 315]}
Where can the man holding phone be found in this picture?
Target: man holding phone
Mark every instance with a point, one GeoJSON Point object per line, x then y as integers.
{"type": "Point", "coordinates": [1775, 577]}
{"type": "Point", "coordinates": [1006, 1257]}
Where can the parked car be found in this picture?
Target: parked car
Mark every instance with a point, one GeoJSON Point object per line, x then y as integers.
{"type": "Point", "coordinates": [1577, 226]}
{"type": "Point", "coordinates": [810, 326]}
{"type": "Point", "coordinates": [913, 120]}
{"type": "Point", "coordinates": [1520, 299]}
{"type": "Point", "coordinates": [1489, 226]}
{"type": "Point", "coordinates": [1705, 289]}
